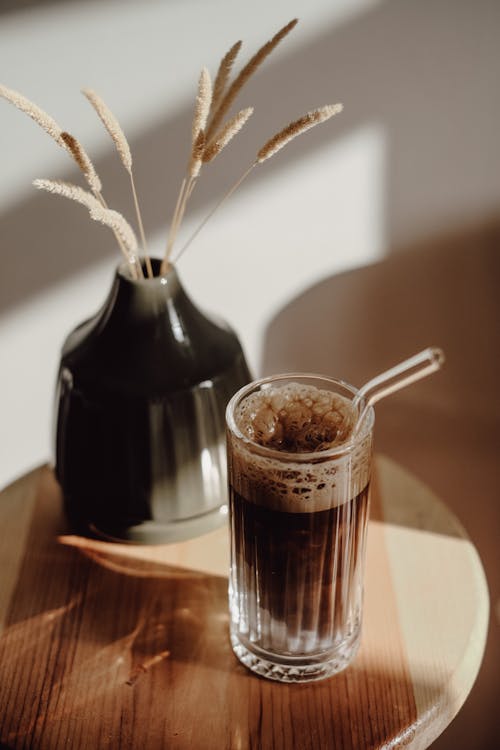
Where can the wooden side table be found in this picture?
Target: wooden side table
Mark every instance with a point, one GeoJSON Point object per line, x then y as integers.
{"type": "Point", "coordinates": [121, 646]}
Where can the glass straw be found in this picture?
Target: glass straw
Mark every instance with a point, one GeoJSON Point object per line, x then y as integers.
{"type": "Point", "coordinates": [419, 366]}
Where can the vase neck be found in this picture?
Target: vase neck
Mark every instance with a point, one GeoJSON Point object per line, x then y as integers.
{"type": "Point", "coordinates": [146, 293]}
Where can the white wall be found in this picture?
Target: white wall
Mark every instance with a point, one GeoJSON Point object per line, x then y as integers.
{"type": "Point", "coordinates": [414, 153]}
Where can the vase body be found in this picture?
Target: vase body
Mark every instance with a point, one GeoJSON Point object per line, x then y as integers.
{"type": "Point", "coordinates": [141, 396]}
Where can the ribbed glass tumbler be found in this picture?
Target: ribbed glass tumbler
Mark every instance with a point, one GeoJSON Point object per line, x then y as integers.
{"type": "Point", "coordinates": [298, 525]}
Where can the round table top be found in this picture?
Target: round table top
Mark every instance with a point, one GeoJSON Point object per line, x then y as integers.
{"type": "Point", "coordinates": [120, 645]}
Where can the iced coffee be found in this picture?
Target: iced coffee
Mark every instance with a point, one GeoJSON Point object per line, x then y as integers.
{"type": "Point", "coordinates": [299, 498]}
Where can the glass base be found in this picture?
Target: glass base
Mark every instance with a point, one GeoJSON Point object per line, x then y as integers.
{"type": "Point", "coordinates": [295, 669]}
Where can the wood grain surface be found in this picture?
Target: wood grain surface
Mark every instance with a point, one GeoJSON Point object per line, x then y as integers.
{"type": "Point", "coordinates": [122, 646]}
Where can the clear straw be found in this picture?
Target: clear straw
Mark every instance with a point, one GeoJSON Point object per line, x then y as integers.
{"type": "Point", "coordinates": [419, 366]}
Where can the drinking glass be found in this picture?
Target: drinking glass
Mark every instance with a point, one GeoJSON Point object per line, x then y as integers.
{"type": "Point", "coordinates": [298, 523]}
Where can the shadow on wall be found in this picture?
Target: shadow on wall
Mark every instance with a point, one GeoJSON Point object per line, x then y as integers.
{"type": "Point", "coordinates": [397, 64]}
{"type": "Point", "coordinates": [444, 429]}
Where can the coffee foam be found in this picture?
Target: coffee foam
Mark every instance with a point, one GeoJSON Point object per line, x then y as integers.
{"type": "Point", "coordinates": [297, 419]}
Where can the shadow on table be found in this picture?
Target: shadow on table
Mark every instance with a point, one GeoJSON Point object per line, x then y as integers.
{"type": "Point", "coordinates": [443, 429]}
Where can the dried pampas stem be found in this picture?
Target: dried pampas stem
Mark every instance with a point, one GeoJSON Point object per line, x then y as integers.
{"type": "Point", "coordinates": [222, 77]}
{"type": "Point", "coordinates": [82, 159]}
{"type": "Point", "coordinates": [249, 69]}
{"type": "Point", "coordinates": [188, 189]}
{"type": "Point", "coordinates": [112, 126]}
{"type": "Point", "coordinates": [203, 101]}
{"type": "Point", "coordinates": [68, 190]}
{"type": "Point", "coordinates": [98, 212]}
{"type": "Point", "coordinates": [115, 221]}
{"type": "Point", "coordinates": [147, 258]}
{"type": "Point", "coordinates": [114, 129]}
{"type": "Point", "coordinates": [297, 128]}
{"type": "Point", "coordinates": [228, 132]}
{"type": "Point", "coordinates": [63, 139]}
{"type": "Point", "coordinates": [206, 145]}
{"type": "Point", "coordinates": [32, 110]}
{"type": "Point", "coordinates": [166, 259]}
{"type": "Point", "coordinates": [201, 112]}
{"type": "Point", "coordinates": [184, 195]}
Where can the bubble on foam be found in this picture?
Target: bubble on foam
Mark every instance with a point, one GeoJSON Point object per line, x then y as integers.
{"type": "Point", "coordinates": [297, 418]}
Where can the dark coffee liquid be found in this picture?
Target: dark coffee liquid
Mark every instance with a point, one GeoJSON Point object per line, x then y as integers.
{"type": "Point", "coordinates": [296, 582]}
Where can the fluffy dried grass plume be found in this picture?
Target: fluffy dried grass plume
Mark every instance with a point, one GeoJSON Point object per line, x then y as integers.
{"type": "Point", "coordinates": [249, 69]}
{"type": "Point", "coordinates": [228, 132]}
{"type": "Point", "coordinates": [115, 131]}
{"type": "Point", "coordinates": [32, 110]}
{"type": "Point", "coordinates": [106, 216]}
{"type": "Point", "coordinates": [115, 221]}
{"type": "Point", "coordinates": [83, 160]}
{"type": "Point", "coordinates": [203, 102]}
{"type": "Point", "coordinates": [223, 73]}
{"type": "Point", "coordinates": [295, 128]}
{"type": "Point", "coordinates": [68, 190]}
{"type": "Point", "coordinates": [51, 127]}
{"type": "Point", "coordinates": [112, 126]}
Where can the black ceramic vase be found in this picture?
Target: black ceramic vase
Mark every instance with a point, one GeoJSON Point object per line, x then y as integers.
{"type": "Point", "coordinates": [142, 391]}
